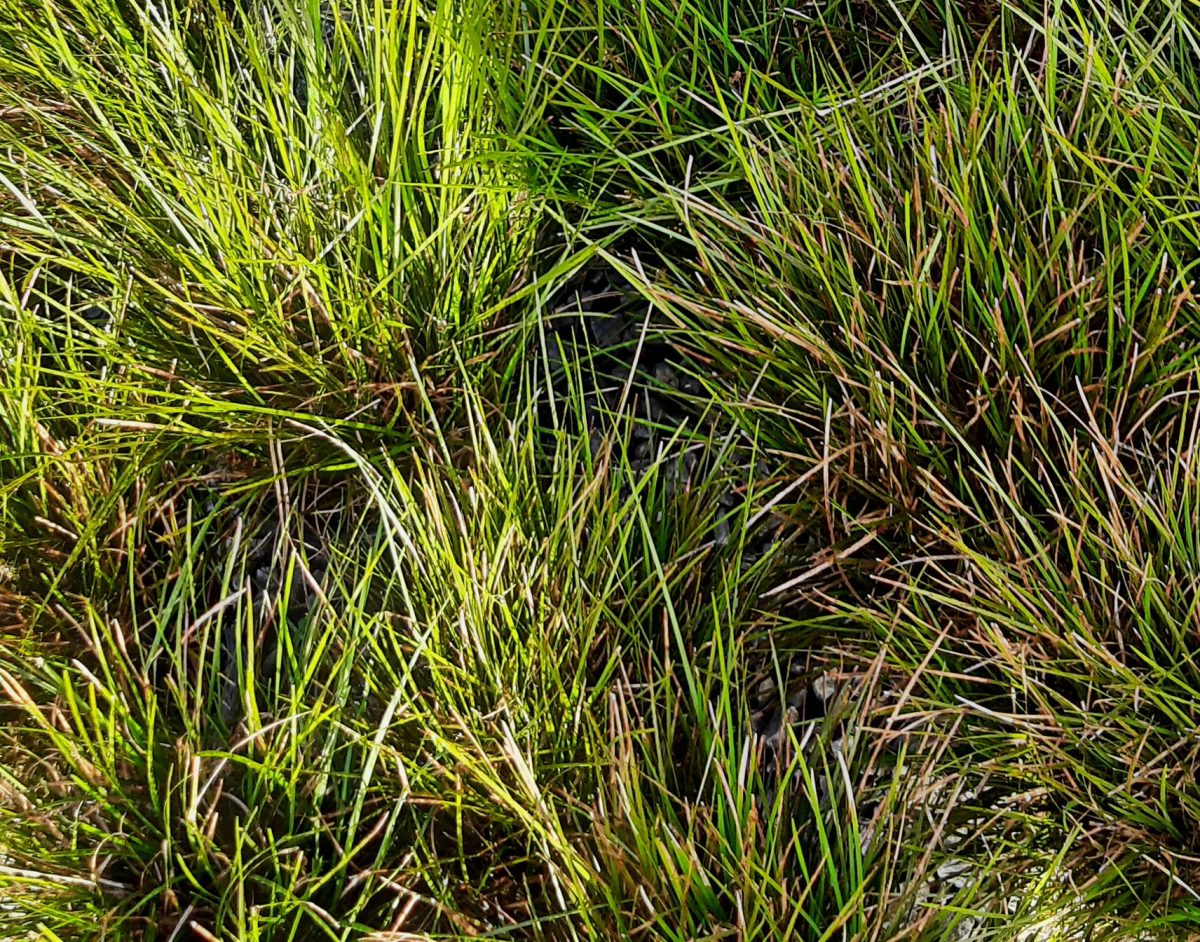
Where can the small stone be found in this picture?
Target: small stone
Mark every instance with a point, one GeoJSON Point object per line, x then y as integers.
{"type": "Point", "coordinates": [607, 329]}
{"type": "Point", "coordinates": [824, 687]}
{"type": "Point", "coordinates": [951, 869]}
{"type": "Point", "coordinates": [665, 374]}
{"type": "Point", "coordinates": [94, 315]}
{"type": "Point", "coordinates": [721, 532]}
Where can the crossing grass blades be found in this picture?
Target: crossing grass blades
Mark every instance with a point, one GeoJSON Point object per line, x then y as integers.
{"type": "Point", "coordinates": [674, 470]}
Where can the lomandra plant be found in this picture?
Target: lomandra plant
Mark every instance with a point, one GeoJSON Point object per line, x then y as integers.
{"type": "Point", "coordinates": [672, 470]}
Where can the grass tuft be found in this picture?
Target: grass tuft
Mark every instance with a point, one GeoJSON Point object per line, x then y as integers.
{"type": "Point", "coordinates": [678, 470]}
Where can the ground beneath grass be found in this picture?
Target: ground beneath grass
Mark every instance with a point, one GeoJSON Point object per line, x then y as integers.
{"type": "Point", "coordinates": [682, 470]}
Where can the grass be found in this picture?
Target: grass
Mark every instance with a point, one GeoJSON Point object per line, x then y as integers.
{"type": "Point", "coordinates": [352, 588]}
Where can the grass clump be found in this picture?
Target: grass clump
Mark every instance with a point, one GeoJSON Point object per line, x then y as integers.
{"type": "Point", "coordinates": [539, 471]}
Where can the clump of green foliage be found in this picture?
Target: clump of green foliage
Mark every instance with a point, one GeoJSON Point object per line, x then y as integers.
{"type": "Point", "coordinates": [336, 600]}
